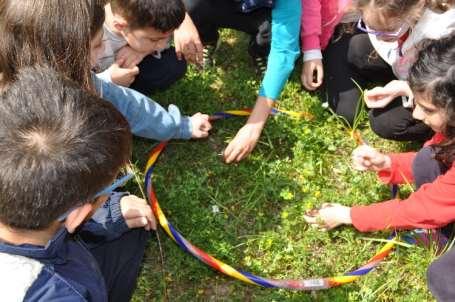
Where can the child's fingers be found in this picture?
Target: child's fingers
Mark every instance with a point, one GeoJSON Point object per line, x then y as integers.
{"type": "Point", "coordinates": [152, 223]}
{"type": "Point", "coordinates": [199, 51]}
{"type": "Point", "coordinates": [366, 162]}
{"type": "Point", "coordinates": [205, 117]}
{"type": "Point", "coordinates": [310, 219]}
{"type": "Point", "coordinates": [138, 211]}
{"type": "Point", "coordinates": [320, 75]}
{"type": "Point", "coordinates": [134, 71]}
{"type": "Point", "coordinates": [206, 126]}
{"type": "Point", "coordinates": [133, 206]}
{"type": "Point", "coordinates": [120, 61]}
{"type": "Point", "coordinates": [201, 134]}
{"type": "Point", "coordinates": [242, 154]}
{"type": "Point", "coordinates": [358, 166]}
{"type": "Point", "coordinates": [229, 153]}
{"type": "Point", "coordinates": [328, 205]}
{"type": "Point", "coordinates": [364, 151]}
{"type": "Point", "coordinates": [138, 222]}
{"type": "Point", "coordinates": [308, 79]}
{"type": "Point", "coordinates": [235, 153]}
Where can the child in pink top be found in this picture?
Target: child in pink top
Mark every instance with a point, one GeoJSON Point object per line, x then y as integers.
{"type": "Point", "coordinates": [319, 19]}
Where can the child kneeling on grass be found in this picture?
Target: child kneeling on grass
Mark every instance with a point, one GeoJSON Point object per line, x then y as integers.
{"type": "Point", "coordinates": [432, 80]}
{"type": "Point", "coordinates": [64, 233]}
{"type": "Point", "coordinates": [137, 35]}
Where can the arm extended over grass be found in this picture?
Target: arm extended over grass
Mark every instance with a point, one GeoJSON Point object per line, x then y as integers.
{"type": "Point", "coordinates": [283, 53]}
{"type": "Point", "coordinates": [146, 118]}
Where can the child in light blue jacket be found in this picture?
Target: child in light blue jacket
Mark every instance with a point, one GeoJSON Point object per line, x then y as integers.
{"type": "Point", "coordinates": [146, 117]}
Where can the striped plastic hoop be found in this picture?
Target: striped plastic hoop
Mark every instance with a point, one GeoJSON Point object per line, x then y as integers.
{"type": "Point", "coordinates": [184, 244]}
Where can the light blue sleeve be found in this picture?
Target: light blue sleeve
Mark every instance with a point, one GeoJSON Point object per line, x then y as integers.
{"type": "Point", "coordinates": [284, 48]}
{"type": "Point", "coordinates": [146, 117]}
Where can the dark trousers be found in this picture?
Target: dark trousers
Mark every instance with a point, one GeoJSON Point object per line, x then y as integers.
{"type": "Point", "coordinates": [120, 262]}
{"type": "Point", "coordinates": [426, 168]}
{"type": "Point", "coordinates": [211, 15]}
{"type": "Point", "coordinates": [351, 57]}
{"type": "Point", "coordinates": [158, 74]}
{"type": "Point", "coordinates": [441, 272]}
{"type": "Point", "coordinates": [441, 277]}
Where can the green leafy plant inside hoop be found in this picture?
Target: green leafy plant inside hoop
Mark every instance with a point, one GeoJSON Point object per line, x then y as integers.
{"type": "Point", "coordinates": [358, 116]}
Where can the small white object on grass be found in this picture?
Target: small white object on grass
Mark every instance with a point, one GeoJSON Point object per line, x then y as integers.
{"type": "Point", "coordinates": [215, 209]}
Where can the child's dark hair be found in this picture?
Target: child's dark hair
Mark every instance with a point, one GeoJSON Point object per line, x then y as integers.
{"type": "Point", "coordinates": [162, 15]}
{"type": "Point", "coordinates": [97, 16]}
{"type": "Point", "coordinates": [397, 8]}
{"type": "Point", "coordinates": [433, 76]}
{"type": "Point", "coordinates": [48, 32]}
{"type": "Point", "coordinates": [59, 145]}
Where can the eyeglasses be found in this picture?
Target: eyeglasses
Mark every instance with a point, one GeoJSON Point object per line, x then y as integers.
{"type": "Point", "coordinates": [116, 184]}
{"type": "Point", "coordinates": [398, 33]}
{"type": "Point", "coordinates": [119, 182]}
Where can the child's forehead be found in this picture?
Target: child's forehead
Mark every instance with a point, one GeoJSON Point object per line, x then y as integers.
{"type": "Point", "coordinates": [379, 19]}
{"type": "Point", "coordinates": [424, 99]}
{"type": "Point", "coordinates": [152, 33]}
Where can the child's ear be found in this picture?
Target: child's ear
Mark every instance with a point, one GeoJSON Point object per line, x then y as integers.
{"type": "Point", "coordinates": [120, 25]}
{"type": "Point", "coordinates": [77, 216]}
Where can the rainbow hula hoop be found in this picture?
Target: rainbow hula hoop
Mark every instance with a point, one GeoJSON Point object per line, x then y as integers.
{"type": "Point", "coordinates": [302, 284]}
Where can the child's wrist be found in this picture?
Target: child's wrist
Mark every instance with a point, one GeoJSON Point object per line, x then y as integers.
{"type": "Point", "coordinates": [387, 162]}
{"type": "Point", "coordinates": [346, 216]}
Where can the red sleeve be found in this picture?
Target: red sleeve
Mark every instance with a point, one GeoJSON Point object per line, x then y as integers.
{"type": "Point", "coordinates": [432, 206]}
{"type": "Point", "coordinates": [401, 170]}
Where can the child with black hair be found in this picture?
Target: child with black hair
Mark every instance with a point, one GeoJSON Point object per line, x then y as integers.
{"type": "Point", "coordinates": [136, 37]}
{"type": "Point", "coordinates": [432, 80]}
{"type": "Point", "coordinates": [64, 233]}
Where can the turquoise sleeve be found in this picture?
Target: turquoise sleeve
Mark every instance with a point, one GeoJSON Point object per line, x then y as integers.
{"type": "Point", "coordinates": [284, 48]}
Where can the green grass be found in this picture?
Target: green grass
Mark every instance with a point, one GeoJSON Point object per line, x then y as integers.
{"type": "Point", "coordinates": [296, 166]}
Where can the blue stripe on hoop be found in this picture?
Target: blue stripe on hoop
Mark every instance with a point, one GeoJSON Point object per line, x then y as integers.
{"type": "Point", "coordinates": [360, 272]}
{"type": "Point", "coordinates": [178, 237]}
{"type": "Point", "coordinates": [258, 280]}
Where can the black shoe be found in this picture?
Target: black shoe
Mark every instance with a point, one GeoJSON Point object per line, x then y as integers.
{"type": "Point", "coordinates": [260, 65]}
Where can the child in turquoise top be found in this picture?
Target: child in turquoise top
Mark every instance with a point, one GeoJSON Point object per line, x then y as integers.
{"type": "Point", "coordinates": [283, 53]}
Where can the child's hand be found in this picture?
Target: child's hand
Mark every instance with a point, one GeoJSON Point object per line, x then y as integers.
{"type": "Point", "coordinates": [243, 143]}
{"type": "Point", "coordinates": [137, 213]}
{"type": "Point", "coordinates": [187, 42]}
{"type": "Point", "coordinates": [379, 97]}
{"type": "Point", "coordinates": [367, 158]}
{"type": "Point", "coordinates": [312, 74]}
{"type": "Point", "coordinates": [329, 216]}
{"type": "Point", "coordinates": [201, 125]}
{"type": "Point", "coordinates": [123, 76]}
{"type": "Point", "coordinates": [129, 57]}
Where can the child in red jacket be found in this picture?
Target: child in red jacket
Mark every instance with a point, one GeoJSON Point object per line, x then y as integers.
{"type": "Point", "coordinates": [432, 205]}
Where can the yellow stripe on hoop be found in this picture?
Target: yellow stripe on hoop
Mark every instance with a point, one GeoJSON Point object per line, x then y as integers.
{"type": "Point", "coordinates": [344, 279]}
{"type": "Point", "coordinates": [229, 270]}
{"type": "Point", "coordinates": [238, 112]}
{"type": "Point", "coordinates": [152, 160]}
{"type": "Point", "coordinates": [295, 114]}
{"type": "Point", "coordinates": [163, 222]}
